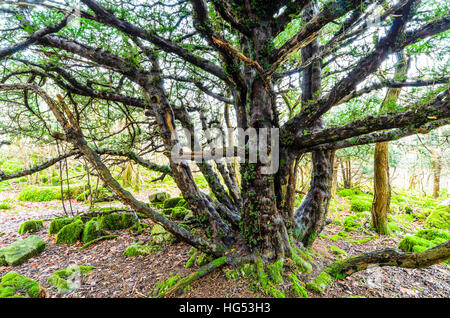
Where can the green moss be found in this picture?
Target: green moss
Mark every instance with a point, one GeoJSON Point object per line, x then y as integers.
{"type": "Point", "coordinates": [165, 285]}
{"type": "Point", "coordinates": [439, 218]}
{"type": "Point", "coordinates": [179, 213]}
{"type": "Point", "coordinates": [297, 287]}
{"type": "Point", "coordinates": [135, 250]}
{"type": "Point", "coordinates": [37, 194]}
{"type": "Point", "coordinates": [320, 283]}
{"type": "Point", "coordinates": [161, 236]}
{"type": "Point", "coordinates": [351, 224]}
{"type": "Point", "coordinates": [31, 226]}
{"type": "Point", "coordinates": [203, 259]}
{"type": "Point", "coordinates": [191, 261]}
{"type": "Point", "coordinates": [62, 279]}
{"type": "Point", "coordinates": [57, 224]}
{"type": "Point", "coordinates": [115, 221]}
{"type": "Point", "coordinates": [360, 205]}
{"type": "Point", "coordinates": [21, 250]}
{"type": "Point", "coordinates": [158, 197]}
{"type": "Point", "coordinates": [423, 240]}
{"type": "Point", "coordinates": [172, 202]}
{"type": "Point", "coordinates": [345, 193]}
{"type": "Point", "coordinates": [338, 251]}
{"type": "Point", "coordinates": [275, 293]}
{"type": "Point", "coordinates": [99, 195]}
{"type": "Point", "coordinates": [432, 234]}
{"type": "Point", "coordinates": [92, 231]}
{"type": "Point", "coordinates": [41, 194]}
{"type": "Point", "coordinates": [274, 271]}
{"type": "Point", "coordinates": [14, 284]}
{"type": "Point", "coordinates": [408, 242]}
{"type": "Point", "coordinates": [70, 233]}
{"type": "Point", "coordinates": [5, 206]}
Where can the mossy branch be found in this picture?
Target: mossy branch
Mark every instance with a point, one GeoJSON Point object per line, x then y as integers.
{"type": "Point", "coordinates": [390, 257]}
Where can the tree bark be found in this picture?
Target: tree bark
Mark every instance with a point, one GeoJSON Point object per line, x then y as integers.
{"type": "Point", "coordinates": [437, 167]}
{"type": "Point", "coordinates": [382, 191]}
{"type": "Point", "coordinates": [390, 257]}
{"type": "Point", "coordinates": [310, 215]}
{"type": "Point", "coordinates": [382, 187]}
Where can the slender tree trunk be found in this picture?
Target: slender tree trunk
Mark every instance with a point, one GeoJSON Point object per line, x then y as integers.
{"type": "Point", "coordinates": [382, 191]}
{"type": "Point", "coordinates": [382, 188]}
{"type": "Point", "coordinates": [437, 168]}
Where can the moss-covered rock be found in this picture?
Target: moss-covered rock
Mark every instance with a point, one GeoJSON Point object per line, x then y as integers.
{"type": "Point", "coordinates": [135, 250]}
{"type": "Point", "coordinates": [360, 204]}
{"type": "Point", "coordinates": [409, 241]}
{"type": "Point", "coordinates": [115, 221]}
{"type": "Point", "coordinates": [57, 224]}
{"type": "Point", "coordinates": [21, 250]}
{"type": "Point", "coordinates": [31, 226]}
{"type": "Point", "coordinates": [161, 236]}
{"type": "Point", "coordinates": [351, 223]}
{"type": "Point", "coordinates": [66, 280]}
{"type": "Point", "coordinates": [172, 202]}
{"type": "Point", "coordinates": [92, 231]}
{"type": "Point", "coordinates": [178, 213]}
{"type": "Point", "coordinates": [158, 197]}
{"type": "Point", "coordinates": [70, 233]}
{"type": "Point", "coordinates": [439, 218]}
{"type": "Point", "coordinates": [14, 285]}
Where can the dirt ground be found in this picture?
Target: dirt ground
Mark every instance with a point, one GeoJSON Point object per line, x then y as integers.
{"type": "Point", "coordinates": [116, 275]}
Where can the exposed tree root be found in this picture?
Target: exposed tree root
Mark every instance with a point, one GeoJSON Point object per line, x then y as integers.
{"type": "Point", "coordinates": [182, 283]}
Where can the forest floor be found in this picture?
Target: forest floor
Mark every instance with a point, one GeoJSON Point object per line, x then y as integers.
{"type": "Point", "coordinates": [116, 275]}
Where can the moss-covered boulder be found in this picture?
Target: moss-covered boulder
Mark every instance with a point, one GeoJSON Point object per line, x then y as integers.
{"type": "Point", "coordinates": [352, 223]}
{"type": "Point", "coordinates": [14, 285]}
{"type": "Point", "coordinates": [358, 204]}
{"type": "Point", "coordinates": [66, 280]}
{"type": "Point", "coordinates": [161, 236]}
{"type": "Point", "coordinates": [115, 221]}
{"type": "Point", "coordinates": [31, 226]}
{"type": "Point", "coordinates": [70, 233]}
{"type": "Point", "coordinates": [172, 202]}
{"type": "Point", "coordinates": [178, 213]}
{"type": "Point", "coordinates": [158, 197]}
{"type": "Point", "coordinates": [57, 224]}
{"type": "Point", "coordinates": [21, 250]}
{"type": "Point", "coordinates": [439, 218]}
{"type": "Point", "coordinates": [92, 231]}
{"type": "Point", "coordinates": [423, 240]}
{"type": "Point", "coordinates": [135, 250]}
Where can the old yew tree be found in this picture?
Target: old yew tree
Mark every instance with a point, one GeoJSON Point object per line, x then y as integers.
{"type": "Point", "coordinates": [241, 91]}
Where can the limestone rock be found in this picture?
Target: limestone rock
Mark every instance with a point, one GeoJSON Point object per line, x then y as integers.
{"type": "Point", "coordinates": [21, 250]}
